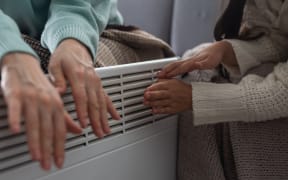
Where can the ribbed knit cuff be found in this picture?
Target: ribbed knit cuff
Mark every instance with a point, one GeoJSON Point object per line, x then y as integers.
{"type": "Point", "coordinates": [52, 37]}
{"type": "Point", "coordinates": [217, 103]}
{"type": "Point", "coordinates": [250, 54]}
{"type": "Point", "coordinates": [244, 59]}
{"type": "Point", "coordinates": [14, 43]}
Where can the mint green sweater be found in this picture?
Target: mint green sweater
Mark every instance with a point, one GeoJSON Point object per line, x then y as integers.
{"type": "Point", "coordinates": [53, 21]}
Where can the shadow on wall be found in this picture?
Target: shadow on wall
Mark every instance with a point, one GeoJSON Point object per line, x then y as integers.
{"type": "Point", "coordinates": [182, 23]}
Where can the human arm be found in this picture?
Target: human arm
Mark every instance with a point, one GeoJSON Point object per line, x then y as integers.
{"type": "Point", "coordinates": [254, 99]}
{"type": "Point", "coordinates": [10, 38]}
{"type": "Point", "coordinates": [72, 34]}
{"type": "Point", "coordinates": [270, 47]}
{"type": "Point", "coordinates": [168, 96]}
{"type": "Point", "coordinates": [29, 95]}
{"type": "Point", "coordinates": [21, 81]}
{"type": "Point", "coordinates": [81, 20]}
{"type": "Point", "coordinates": [204, 56]}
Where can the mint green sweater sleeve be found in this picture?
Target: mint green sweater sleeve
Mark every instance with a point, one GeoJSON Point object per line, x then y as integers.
{"type": "Point", "coordinates": [10, 37]}
{"type": "Point", "coordinates": [82, 20]}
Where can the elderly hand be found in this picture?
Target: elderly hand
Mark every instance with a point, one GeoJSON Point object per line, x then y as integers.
{"type": "Point", "coordinates": [72, 62]}
{"type": "Point", "coordinates": [29, 94]}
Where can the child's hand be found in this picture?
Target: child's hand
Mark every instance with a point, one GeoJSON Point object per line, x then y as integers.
{"type": "Point", "coordinates": [169, 96]}
{"type": "Point", "coordinates": [207, 58]}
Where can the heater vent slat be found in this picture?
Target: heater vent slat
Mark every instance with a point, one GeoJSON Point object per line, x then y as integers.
{"type": "Point", "coordinates": [137, 85]}
{"type": "Point", "coordinates": [3, 123]}
{"type": "Point", "coordinates": [15, 161]}
{"type": "Point", "coordinates": [3, 112]}
{"type": "Point", "coordinates": [12, 141]}
{"type": "Point", "coordinates": [12, 151]}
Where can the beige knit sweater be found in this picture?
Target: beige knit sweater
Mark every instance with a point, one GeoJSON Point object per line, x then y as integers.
{"type": "Point", "coordinates": [215, 140]}
{"type": "Point", "coordinates": [256, 97]}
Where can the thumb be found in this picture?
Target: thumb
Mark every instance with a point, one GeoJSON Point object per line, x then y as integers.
{"type": "Point", "coordinates": [57, 77]}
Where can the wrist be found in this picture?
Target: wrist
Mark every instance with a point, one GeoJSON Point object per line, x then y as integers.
{"type": "Point", "coordinates": [14, 58]}
{"type": "Point", "coordinates": [76, 46]}
{"type": "Point", "coordinates": [228, 57]}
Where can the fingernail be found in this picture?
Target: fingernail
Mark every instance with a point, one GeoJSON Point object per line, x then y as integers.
{"type": "Point", "coordinates": [107, 130]}
{"type": "Point", "coordinates": [158, 73]}
{"type": "Point", "coordinates": [148, 95]}
{"type": "Point", "coordinates": [146, 103]}
{"type": "Point", "coordinates": [47, 165]}
{"type": "Point", "coordinates": [37, 156]}
{"type": "Point", "coordinates": [15, 128]}
{"type": "Point", "coordinates": [84, 123]}
{"type": "Point", "coordinates": [60, 162]}
{"type": "Point", "coordinates": [101, 134]}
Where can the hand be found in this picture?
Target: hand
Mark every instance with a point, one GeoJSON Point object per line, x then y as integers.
{"type": "Point", "coordinates": [168, 96]}
{"type": "Point", "coordinates": [72, 61]}
{"type": "Point", "coordinates": [29, 94]}
{"type": "Point", "coordinates": [208, 58]}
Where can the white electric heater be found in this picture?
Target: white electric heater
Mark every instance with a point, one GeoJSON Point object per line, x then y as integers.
{"type": "Point", "coordinates": [141, 146]}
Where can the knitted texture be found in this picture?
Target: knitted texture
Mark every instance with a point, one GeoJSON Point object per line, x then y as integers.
{"type": "Point", "coordinates": [239, 131]}
{"type": "Point", "coordinates": [267, 99]}
{"type": "Point", "coordinates": [233, 151]}
{"type": "Point", "coordinates": [272, 46]}
{"type": "Point", "coordinates": [55, 21]}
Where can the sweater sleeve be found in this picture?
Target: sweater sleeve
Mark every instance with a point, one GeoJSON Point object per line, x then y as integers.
{"type": "Point", "coordinates": [10, 38]}
{"type": "Point", "coordinates": [272, 47]}
{"type": "Point", "coordinates": [81, 20]}
{"type": "Point", "coordinates": [254, 99]}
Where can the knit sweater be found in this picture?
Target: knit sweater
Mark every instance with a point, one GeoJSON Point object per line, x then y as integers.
{"type": "Point", "coordinates": [54, 21]}
{"type": "Point", "coordinates": [258, 96]}
{"type": "Point", "coordinates": [238, 131]}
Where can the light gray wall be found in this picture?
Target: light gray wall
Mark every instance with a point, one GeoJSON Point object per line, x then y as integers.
{"type": "Point", "coordinates": [154, 16]}
{"type": "Point", "coordinates": [193, 23]}
{"type": "Point", "coordinates": [182, 23]}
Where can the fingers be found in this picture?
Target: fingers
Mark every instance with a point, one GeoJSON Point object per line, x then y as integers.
{"type": "Point", "coordinates": [97, 105]}
{"type": "Point", "coordinates": [14, 112]}
{"type": "Point", "coordinates": [94, 107]}
{"type": "Point", "coordinates": [103, 111]}
{"type": "Point", "coordinates": [90, 100]}
{"type": "Point", "coordinates": [57, 76]}
{"type": "Point", "coordinates": [160, 102]}
{"type": "Point", "coordinates": [157, 86]}
{"type": "Point", "coordinates": [162, 110]}
{"type": "Point", "coordinates": [71, 126]}
{"type": "Point", "coordinates": [77, 82]}
{"type": "Point", "coordinates": [111, 109]}
{"type": "Point", "coordinates": [30, 95]}
{"type": "Point", "coordinates": [31, 117]}
{"type": "Point", "coordinates": [166, 71]}
{"type": "Point", "coordinates": [59, 136]}
{"type": "Point", "coordinates": [12, 96]}
{"type": "Point", "coordinates": [156, 95]}
{"type": "Point", "coordinates": [46, 131]}
{"type": "Point", "coordinates": [179, 68]}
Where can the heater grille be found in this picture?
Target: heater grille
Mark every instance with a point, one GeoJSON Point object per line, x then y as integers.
{"type": "Point", "coordinates": [124, 84]}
